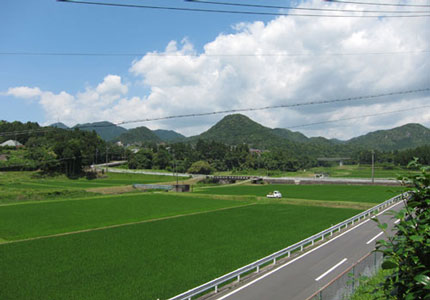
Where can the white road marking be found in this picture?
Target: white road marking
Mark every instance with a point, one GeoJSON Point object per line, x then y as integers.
{"type": "Point", "coordinates": [331, 269]}
{"type": "Point", "coordinates": [374, 238]}
{"type": "Point", "coordinates": [299, 257]}
{"type": "Point", "coordinates": [397, 222]}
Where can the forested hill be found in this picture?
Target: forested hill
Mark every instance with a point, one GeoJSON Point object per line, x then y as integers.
{"type": "Point", "coordinates": [106, 130]}
{"type": "Point", "coordinates": [399, 138]}
{"type": "Point", "coordinates": [138, 135]}
{"type": "Point", "coordinates": [238, 129]}
{"type": "Point", "coordinates": [168, 135]}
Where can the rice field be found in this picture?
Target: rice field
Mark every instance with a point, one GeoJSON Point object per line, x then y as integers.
{"type": "Point", "coordinates": [59, 241]}
{"type": "Point", "coordinates": [349, 193]}
{"type": "Point", "coordinates": [156, 259]}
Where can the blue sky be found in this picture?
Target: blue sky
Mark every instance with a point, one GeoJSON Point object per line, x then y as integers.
{"type": "Point", "coordinates": [186, 78]}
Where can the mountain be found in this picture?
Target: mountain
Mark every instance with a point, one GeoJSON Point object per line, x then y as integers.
{"type": "Point", "coordinates": [138, 135]}
{"type": "Point", "coordinates": [291, 135]}
{"type": "Point", "coordinates": [399, 138]}
{"type": "Point", "coordinates": [168, 135]}
{"type": "Point", "coordinates": [106, 130]}
{"type": "Point", "coordinates": [238, 129]}
{"type": "Point", "coordinates": [59, 125]}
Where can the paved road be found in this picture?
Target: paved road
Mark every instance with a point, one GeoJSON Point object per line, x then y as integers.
{"type": "Point", "coordinates": [303, 276]}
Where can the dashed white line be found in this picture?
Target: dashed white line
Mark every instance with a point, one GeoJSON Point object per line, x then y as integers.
{"type": "Point", "coordinates": [331, 269]}
{"type": "Point", "coordinates": [301, 256]}
{"type": "Point", "coordinates": [397, 221]}
{"type": "Point", "coordinates": [374, 238]}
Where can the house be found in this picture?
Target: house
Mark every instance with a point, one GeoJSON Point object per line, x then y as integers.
{"type": "Point", "coordinates": [11, 143]}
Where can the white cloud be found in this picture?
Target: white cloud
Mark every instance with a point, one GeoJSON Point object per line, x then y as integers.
{"type": "Point", "coordinates": [288, 60]}
{"type": "Point", "coordinates": [24, 92]}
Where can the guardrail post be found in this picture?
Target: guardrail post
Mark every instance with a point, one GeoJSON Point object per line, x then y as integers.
{"type": "Point", "coordinates": [216, 289]}
{"type": "Point", "coordinates": [313, 242]}
{"type": "Point", "coordinates": [301, 248]}
{"type": "Point", "coordinates": [288, 254]}
{"type": "Point", "coordinates": [258, 269]}
{"type": "Point", "coordinates": [331, 233]}
{"type": "Point", "coordinates": [238, 278]}
{"type": "Point", "coordinates": [274, 261]}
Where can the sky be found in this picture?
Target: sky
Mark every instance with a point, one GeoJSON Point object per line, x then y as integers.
{"type": "Point", "coordinates": [165, 63]}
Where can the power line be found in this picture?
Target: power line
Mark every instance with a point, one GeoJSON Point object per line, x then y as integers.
{"type": "Point", "coordinates": [379, 4]}
{"type": "Point", "coordinates": [300, 8]}
{"type": "Point", "coordinates": [359, 117]}
{"type": "Point", "coordinates": [171, 8]}
{"type": "Point", "coordinates": [308, 103]}
{"type": "Point", "coordinates": [280, 54]}
{"type": "Point", "coordinates": [277, 106]}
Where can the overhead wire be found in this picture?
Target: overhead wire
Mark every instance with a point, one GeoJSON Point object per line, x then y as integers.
{"type": "Point", "coordinates": [235, 4]}
{"type": "Point", "coordinates": [172, 8]}
{"type": "Point", "coordinates": [308, 103]}
{"type": "Point", "coordinates": [358, 117]}
{"type": "Point", "coordinates": [280, 54]}
{"type": "Point", "coordinates": [378, 3]}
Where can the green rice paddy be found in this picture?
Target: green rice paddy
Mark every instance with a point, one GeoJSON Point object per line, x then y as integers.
{"type": "Point", "coordinates": [58, 241]}
{"type": "Point", "coordinates": [157, 259]}
{"type": "Point", "coordinates": [349, 193]}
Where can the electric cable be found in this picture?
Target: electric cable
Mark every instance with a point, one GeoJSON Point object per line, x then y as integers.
{"type": "Point", "coordinates": [308, 103]}
{"type": "Point", "coordinates": [235, 4]}
{"type": "Point", "coordinates": [23, 53]}
{"type": "Point", "coordinates": [171, 8]}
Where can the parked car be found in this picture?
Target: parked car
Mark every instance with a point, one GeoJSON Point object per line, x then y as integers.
{"type": "Point", "coordinates": [275, 194]}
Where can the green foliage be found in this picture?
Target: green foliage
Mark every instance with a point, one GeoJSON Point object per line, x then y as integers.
{"type": "Point", "coordinates": [168, 135]}
{"type": "Point", "coordinates": [403, 137]}
{"type": "Point", "coordinates": [407, 253]}
{"type": "Point", "coordinates": [106, 130]}
{"type": "Point", "coordinates": [141, 160]}
{"type": "Point", "coordinates": [138, 135]}
{"type": "Point", "coordinates": [200, 167]}
{"type": "Point", "coordinates": [371, 288]}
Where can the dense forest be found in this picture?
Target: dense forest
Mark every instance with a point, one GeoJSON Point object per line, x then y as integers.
{"type": "Point", "coordinates": [69, 151]}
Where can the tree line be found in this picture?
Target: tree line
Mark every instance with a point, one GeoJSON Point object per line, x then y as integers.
{"type": "Point", "coordinates": [69, 151]}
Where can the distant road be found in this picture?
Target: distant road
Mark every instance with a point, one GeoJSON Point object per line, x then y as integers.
{"type": "Point", "coordinates": [281, 180]}
{"type": "Point", "coordinates": [299, 278]}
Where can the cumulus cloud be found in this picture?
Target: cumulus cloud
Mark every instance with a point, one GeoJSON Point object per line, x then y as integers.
{"type": "Point", "coordinates": [287, 60]}
{"type": "Point", "coordinates": [24, 92]}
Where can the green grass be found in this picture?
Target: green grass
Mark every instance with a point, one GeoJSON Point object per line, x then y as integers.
{"type": "Point", "coordinates": [30, 186]}
{"type": "Point", "coordinates": [346, 171]}
{"type": "Point", "coordinates": [39, 219]}
{"type": "Point", "coordinates": [350, 193]}
{"type": "Point", "coordinates": [156, 259]}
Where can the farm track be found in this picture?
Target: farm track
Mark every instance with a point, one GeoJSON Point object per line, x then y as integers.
{"type": "Point", "coordinates": [4, 242]}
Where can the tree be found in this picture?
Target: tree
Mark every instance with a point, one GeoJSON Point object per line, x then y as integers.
{"type": "Point", "coordinates": [200, 167]}
{"type": "Point", "coordinates": [407, 253]}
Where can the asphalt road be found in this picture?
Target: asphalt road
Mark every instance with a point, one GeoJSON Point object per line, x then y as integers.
{"type": "Point", "coordinates": [301, 277]}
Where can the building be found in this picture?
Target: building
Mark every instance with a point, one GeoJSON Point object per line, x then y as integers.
{"type": "Point", "coordinates": [11, 143]}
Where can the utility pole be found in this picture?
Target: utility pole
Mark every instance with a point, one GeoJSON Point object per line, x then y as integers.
{"type": "Point", "coordinates": [106, 158]}
{"type": "Point", "coordinates": [373, 166]}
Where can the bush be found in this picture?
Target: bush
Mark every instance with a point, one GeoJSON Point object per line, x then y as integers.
{"type": "Point", "coordinates": [407, 253]}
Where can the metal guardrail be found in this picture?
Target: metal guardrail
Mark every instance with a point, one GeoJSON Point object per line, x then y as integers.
{"type": "Point", "coordinates": [214, 284]}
